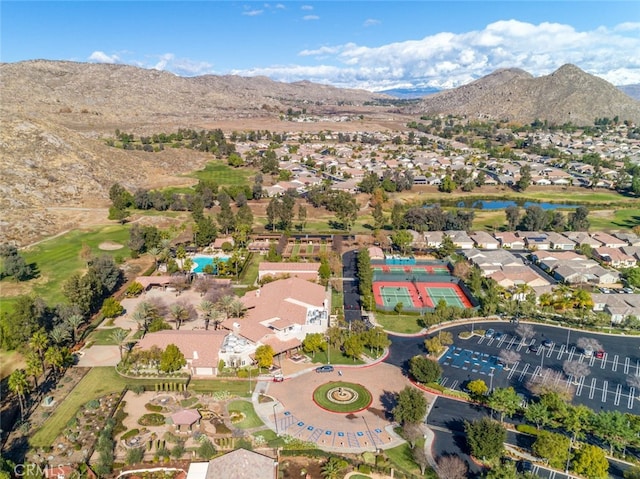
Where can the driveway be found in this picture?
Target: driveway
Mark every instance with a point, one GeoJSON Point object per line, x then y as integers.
{"type": "Point", "coordinates": [97, 356]}
{"type": "Point", "coordinates": [293, 411]}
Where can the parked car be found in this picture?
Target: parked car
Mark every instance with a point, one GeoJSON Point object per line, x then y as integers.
{"type": "Point", "coordinates": [489, 333]}
{"type": "Point", "coordinates": [533, 348]}
{"type": "Point", "coordinates": [600, 354]}
{"type": "Point", "coordinates": [547, 343]}
{"type": "Point", "coordinates": [278, 378]}
{"type": "Point", "coordinates": [588, 352]}
{"type": "Point", "coordinates": [525, 466]}
{"type": "Point", "coordinates": [327, 368]}
{"type": "Point", "coordinates": [498, 335]}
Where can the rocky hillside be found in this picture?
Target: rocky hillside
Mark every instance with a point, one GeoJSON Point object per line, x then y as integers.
{"type": "Point", "coordinates": [567, 95]}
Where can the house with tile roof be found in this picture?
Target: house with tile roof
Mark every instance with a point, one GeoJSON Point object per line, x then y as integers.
{"type": "Point", "coordinates": [307, 271]}
{"type": "Point", "coordinates": [238, 464]}
{"type": "Point", "coordinates": [282, 313]}
{"type": "Point", "coordinates": [200, 347]}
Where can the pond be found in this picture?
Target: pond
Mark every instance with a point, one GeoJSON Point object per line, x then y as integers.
{"type": "Point", "coordinates": [503, 204]}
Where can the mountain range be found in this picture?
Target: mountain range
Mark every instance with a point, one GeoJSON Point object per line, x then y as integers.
{"type": "Point", "coordinates": [56, 116]}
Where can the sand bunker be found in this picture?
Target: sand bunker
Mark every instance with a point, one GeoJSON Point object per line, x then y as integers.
{"type": "Point", "coordinates": [110, 246]}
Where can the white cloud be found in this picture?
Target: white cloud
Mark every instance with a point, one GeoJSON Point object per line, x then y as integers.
{"type": "Point", "coordinates": [101, 57]}
{"type": "Point", "coordinates": [371, 22]}
{"type": "Point", "coordinates": [447, 60]}
{"type": "Point", "coordinates": [311, 17]}
{"type": "Point", "coordinates": [252, 13]}
{"type": "Point", "coordinates": [306, 7]}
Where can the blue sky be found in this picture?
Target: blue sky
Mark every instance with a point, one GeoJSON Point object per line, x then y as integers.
{"type": "Point", "coordinates": [362, 44]}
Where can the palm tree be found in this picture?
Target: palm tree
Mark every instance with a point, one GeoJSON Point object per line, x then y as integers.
{"type": "Point", "coordinates": [19, 385]}
{"type": "Point", "coordinates": [74, 322]}
{"type": "Point", "coordinates": [236, 308]}
{"type": "Point", "coordinates": [58, 357]}
{"type": "Point", "coordinates": [225, 304]}
{"type": "Point", "coordinates": [59, 334]}
{"type": "Point", "coordinates": [155, 252]}
{"type": "Point", "coordinates": [119, 336]}
{"type": "Point", "coordinates": [179, 313]}
{"type": "Point", "coordinates": [34, 367]}
{"type": "Point", "coordinates": [39, 343]}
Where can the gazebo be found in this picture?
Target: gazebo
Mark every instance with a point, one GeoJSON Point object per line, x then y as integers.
{"type": "Point", "coordinates": [185, 419]}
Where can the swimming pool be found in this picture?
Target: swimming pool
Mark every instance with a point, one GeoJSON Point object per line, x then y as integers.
{"type": "Point", "coordinates": [200, 261]}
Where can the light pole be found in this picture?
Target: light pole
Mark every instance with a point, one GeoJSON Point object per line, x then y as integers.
{"type": "Point", "coordinates": [491, 380]}
{"type": "Point", "coordinates": [328, 350]}
{"type": "Point", "coordinates": [275, 418]}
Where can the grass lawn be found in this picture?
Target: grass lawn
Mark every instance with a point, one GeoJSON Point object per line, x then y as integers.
{"type": "Point", "coordinates": [402, 457]}
{"type": "Point", "coordinates": [335, 357]}
{"type": "Point", "coordinates": [616, 219]}
{"type": "Point", "coordinates": [249, 275]}
{"type": "Point", "coordinates": [59, 258]}
{"type": "Point", "coordinates": [102, 337]}
{"type": "Point", "coordinates": [9, 362]}
{"type": "Point", "coordinates": [223, 174]}
{"type": "Point", "coordinates": [235, 388]}
{"type": "Point", "coordinates": [250, 420]}
{"type": "Point", "coordinates": [363, 400]}
{"type": "Point", "coordinates": [337, 300]}
{"type": "Point", "coordinates": [398, 323]}
{"type": "Point", "coordinates": [96, 383]}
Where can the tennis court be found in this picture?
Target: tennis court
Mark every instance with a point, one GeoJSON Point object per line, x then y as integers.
{"type": "Point", "coordinates": [391, 295]}
{"type": "Point", "coordinates": [453, 296]}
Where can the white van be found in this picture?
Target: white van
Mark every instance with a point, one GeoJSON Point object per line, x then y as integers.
{"type": "Point", "coordinates": [588, 352]}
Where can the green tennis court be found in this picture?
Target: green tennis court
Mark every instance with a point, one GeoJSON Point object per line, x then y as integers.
{"type": "Point", "coordinates": [394, 295]}
{"type": "Point", "coordinates": [449, 295]}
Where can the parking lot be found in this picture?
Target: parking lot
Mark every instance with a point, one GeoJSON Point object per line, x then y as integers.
{"type": "Point", "coordinates": [604, 388]}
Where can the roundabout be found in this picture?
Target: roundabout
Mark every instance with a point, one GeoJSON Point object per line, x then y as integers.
{"type": "Point", "coordinates": [342, 397]}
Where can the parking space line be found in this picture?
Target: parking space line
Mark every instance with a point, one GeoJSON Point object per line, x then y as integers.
{"type": "Point", "coordinates": [490, 341]}
{"type": "Point", "coordinates": [453, 384]}
{"type": "Point", "coordinates": [502, 339]}
{"type": "Point", "coordinates": [510, 345]}
{"type": "Point", "coordinates": [580, 385]}
{"type": "Point", "coordinates": [520, 345]}
{"type": "Point", "coordinates": [571, 353]}
{"type": "Point", "coordinates": [513, 370]}
{"type": "Point", "coordinates": [592, 360]}
{"type": "Point", "coordinates": [632, 395]}
{"type": "Point", "coordinates": [523, 372]}
{"type": "Point", "coordinates": [616, 399]}
{"type": "Point", "coordinates": [443, 381]}
{"type": "Point", "coordinates": [592, 391]}
{"type": "Point", "coordinates": [481, 340]}
{"type": "Point", "coordinates": [627, 362]}
{"type": "Point", "coordinates": [614, 366]}
{"type": "Point", "coordinates": [561, 351]}
{"type": "Point", "coordinates": [605, 389]}
{"type": "Point", "coordinates": [570, 383]}
{"type": "Point", "coordinates": [551, 350]}
{"type": "Point", "coordinates": [536, 372]}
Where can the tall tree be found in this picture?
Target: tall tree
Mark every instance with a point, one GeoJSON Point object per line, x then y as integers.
{"type": "Point", "coordinates": [19, 385]}
{"type": "Point", "coordinates": [505, 401]}
{"type": "Point", "coordinates": [485, 438]}
{"type": "Point", "coordinates": [411, 406]}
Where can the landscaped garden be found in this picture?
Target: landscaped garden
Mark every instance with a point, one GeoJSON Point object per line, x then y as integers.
{"type": "Point", "coordinates": [343, 397]}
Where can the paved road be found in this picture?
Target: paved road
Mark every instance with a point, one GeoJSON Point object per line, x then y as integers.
{"type": "Point", "coordinates": [605, 388]}
{"type": "Point", "coordinates": [447, 417]}
{"type": "Point", "coordinates": [350, 286]}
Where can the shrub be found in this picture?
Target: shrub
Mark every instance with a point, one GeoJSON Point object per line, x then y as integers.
{"type": "Point", "coordinates": [153, 407]}
{"type": "Point", "coordinates": [152, 419]}
{"type": "Point", "coordinates": [527, 429]}
{"type": "Point", "coordinates": [129, 434]}
{"type": "Point", "coordinates": [93, 404]}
